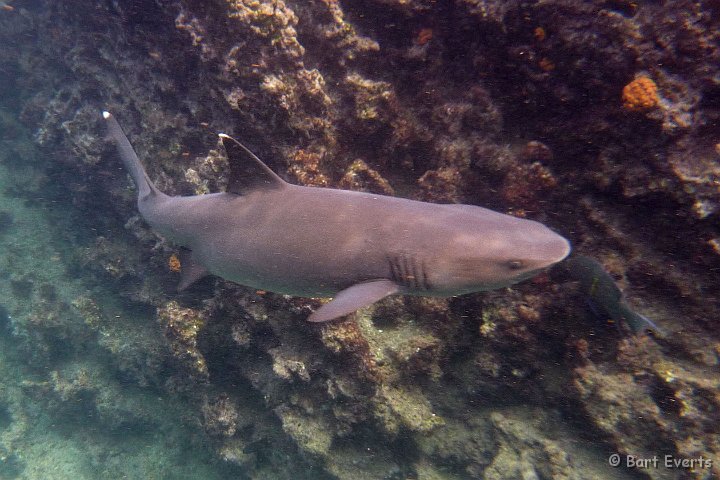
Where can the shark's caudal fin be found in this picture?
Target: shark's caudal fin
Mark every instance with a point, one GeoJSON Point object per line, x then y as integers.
{"type": "Point", "coordinates": [130, 159]}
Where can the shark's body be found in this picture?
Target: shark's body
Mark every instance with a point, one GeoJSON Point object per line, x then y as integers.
{"type": "Point", "coordinates": [359, 247]}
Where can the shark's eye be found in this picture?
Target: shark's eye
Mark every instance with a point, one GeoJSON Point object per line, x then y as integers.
{"type": "Point", "coordinates": [515, 264]}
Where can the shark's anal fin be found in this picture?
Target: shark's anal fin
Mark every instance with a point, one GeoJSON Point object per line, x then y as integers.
{"type": "Point", "coordinates": [247, 172]}
{"type": "Point", "coordinates": [190, 270]}
{"type": "Point", "coordinates": [350, 299]}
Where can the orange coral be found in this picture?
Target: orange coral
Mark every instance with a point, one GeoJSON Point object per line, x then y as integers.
{"type": "Point", "coordinates": [546, 65]}
{"type": "Point", "coordinates": [174, 263]}
{"type": "Point", "coordinates": [640, 94]}
{"type": "Point", "coordinates": [424, 36]}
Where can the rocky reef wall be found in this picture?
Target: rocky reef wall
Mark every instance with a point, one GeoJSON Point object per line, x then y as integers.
{"type": "Point", "coordinates": [598, 118]}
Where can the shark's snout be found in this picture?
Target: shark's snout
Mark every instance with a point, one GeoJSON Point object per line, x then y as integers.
{"type": "Point", "coordinates": [555, 248]}
{"type": "Point", "coordinates": [542, 252]}
{"type": "Point", "coordinates": [547, 253]}
{"type": "Point", "coordinates": [539, 245]}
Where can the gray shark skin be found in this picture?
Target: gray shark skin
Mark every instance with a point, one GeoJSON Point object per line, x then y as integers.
{"type": "Point", "coordinates": [265, 233]}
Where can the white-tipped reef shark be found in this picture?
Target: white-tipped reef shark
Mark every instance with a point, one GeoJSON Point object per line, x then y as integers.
{"type": "Point", "coordinates": [357, 247]}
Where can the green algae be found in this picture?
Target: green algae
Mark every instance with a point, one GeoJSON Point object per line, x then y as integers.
{"type": "Point", "coordinates": [310, 432]}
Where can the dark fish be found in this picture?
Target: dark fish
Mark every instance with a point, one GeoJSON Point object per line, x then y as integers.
{"type": "Point", "coordinates": [603, 295]}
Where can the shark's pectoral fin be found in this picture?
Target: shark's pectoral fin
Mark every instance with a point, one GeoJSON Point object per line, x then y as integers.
{"type": "Point", "coordinates": [350, 299]}
{"type": "Point", "coordinates": [190, 270]}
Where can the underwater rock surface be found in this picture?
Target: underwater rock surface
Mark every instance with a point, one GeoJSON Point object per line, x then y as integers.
{"type": "Point", "coordinates": [597, 118]}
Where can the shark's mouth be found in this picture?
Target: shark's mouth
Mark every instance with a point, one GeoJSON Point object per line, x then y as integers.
{"type": "Point", "coordinates": [527, 275]}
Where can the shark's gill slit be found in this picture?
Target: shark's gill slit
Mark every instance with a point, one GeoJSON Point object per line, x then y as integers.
{"type": "Point", "coordinates": [415, 273]}
{"type": "Point", "coordinates": [407, 271]}
{"type": "Point", "coordinates": [401, 271]}
{"type": "Point", "coordinates": [407, 276]}
{"type": "Point", "coordinates": [423, 272]}
{"type": "Point", "coordinates": [393, 270]}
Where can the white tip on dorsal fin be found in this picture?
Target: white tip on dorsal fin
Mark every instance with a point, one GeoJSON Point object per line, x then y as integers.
{"type": "Point", "coordinates": [247, 172]}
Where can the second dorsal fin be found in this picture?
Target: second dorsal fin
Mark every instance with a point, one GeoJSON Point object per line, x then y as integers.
{"type": "Point", "coordinates": [247, 172]}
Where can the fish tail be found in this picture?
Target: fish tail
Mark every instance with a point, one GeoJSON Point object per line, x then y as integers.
{"type": "Point", "coordinates": [132, 163]}
{"type": "Point", "coordinates": [636, 321]}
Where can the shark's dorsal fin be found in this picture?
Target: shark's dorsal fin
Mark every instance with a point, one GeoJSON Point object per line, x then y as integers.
{"type": "Point", "coordinates": [247, 172]}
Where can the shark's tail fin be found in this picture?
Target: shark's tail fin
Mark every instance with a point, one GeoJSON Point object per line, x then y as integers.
{"type": "Point", "coordinates": [132, 163]}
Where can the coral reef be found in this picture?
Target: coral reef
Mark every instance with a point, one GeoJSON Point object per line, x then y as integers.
{"type": "Point", "coordinates": [640, 94]}
{"type": "Point", "coordinates": [598, 118]}
{"type": "Point", "coordinates": [181, 327]}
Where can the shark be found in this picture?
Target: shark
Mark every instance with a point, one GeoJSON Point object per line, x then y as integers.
{"type": "Point", "coordinates": [357, 247]}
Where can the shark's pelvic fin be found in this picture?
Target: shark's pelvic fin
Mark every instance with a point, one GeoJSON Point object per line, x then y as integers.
{"type": "Point", "coordinates": [130, 159]}
{"type": "Point", "coordinates": [190, 270]}
{"type": "Point", "coordinates": [350, 299]}
{"type": "Point", "coordinates": [247, 172]}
